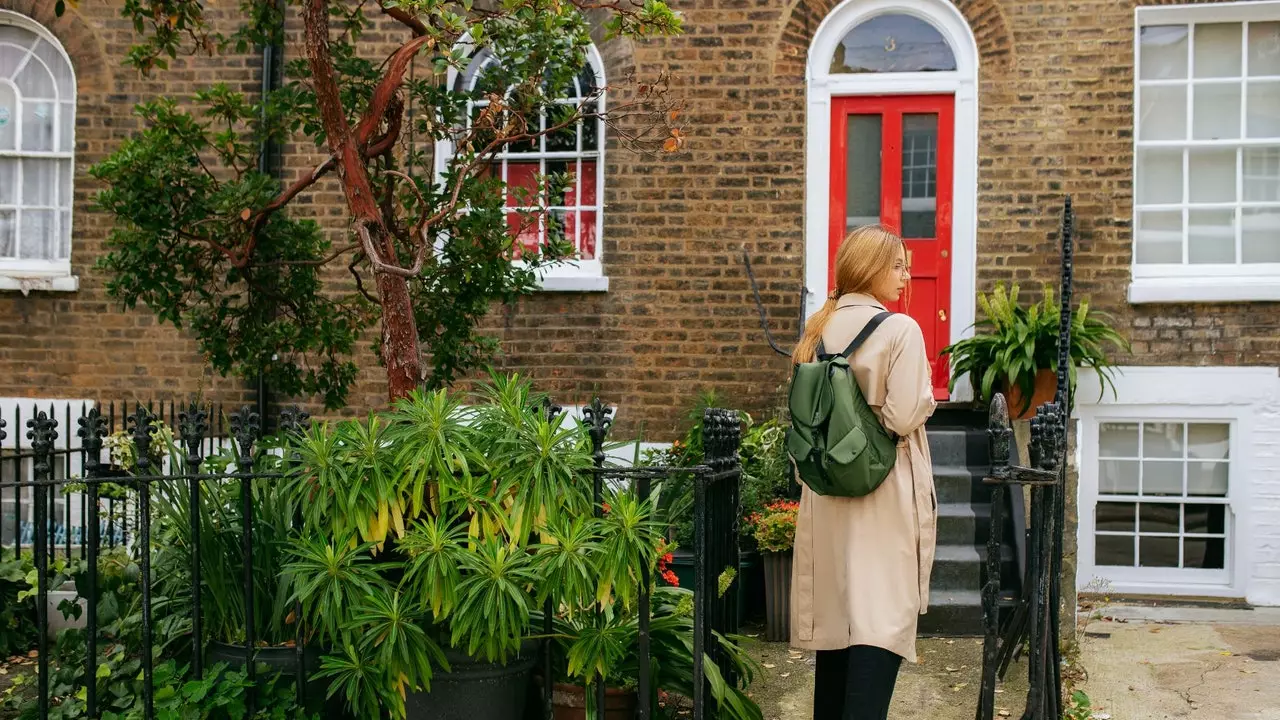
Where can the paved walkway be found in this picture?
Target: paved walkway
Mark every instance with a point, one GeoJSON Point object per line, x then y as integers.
{"type": "Point", "coordinates": [1143, 663]}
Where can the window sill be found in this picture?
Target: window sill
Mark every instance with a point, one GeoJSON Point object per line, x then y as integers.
{"type": "Point", "coordinates": [574, 283]}
{"type": "Point", "coordinates": [42, 283]}
{"type": "Point", "coordinates": [1204, 289]}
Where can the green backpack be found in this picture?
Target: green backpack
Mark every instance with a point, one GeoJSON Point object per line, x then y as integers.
{"type": "Point", "coordinates": [835, 440]}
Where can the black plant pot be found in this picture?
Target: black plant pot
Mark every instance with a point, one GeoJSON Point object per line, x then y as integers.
{"type": "Point", "coordinates": [284, 660]}
{"type": "Point", "coordinates": [474, 689]}
{"type": "Point", "coordinates": [777, 589]}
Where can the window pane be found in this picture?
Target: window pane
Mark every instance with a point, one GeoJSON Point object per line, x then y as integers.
{"type": "Point", "coordinates": [561, 182]}
{"type": "Point", "coordinates": [58, 67]}
{"type": "Point", "coordinates": [565, 139]}
{"type": "Point", "coordinates": [1162, 477]}
{"type": "Point", "coordinates": [523, 189]}
{"type": "Point", "coordinates": [37, 126]}
{"type": "Point", "coordinates": [1162, 52]}
{"type": "Point", "coordinates": [1163, 114]}
{"type": "Point", "coordinates": [1217, 112]}
{"type": "Point", "coordinates": [559, 232]}
{"type": "Point", "coordinates": [1205, 519]}
{"type": "Point", "coordinates": [1262, 174]}
{"type": "Point", "coordinates": [1163, 440]}
{"type": "Point", "coordinates": [1204, 553]}
{"type": "Point", "coordinates": [1207, 479]}
{"type": "Point", "coordinates": [35, 82]}
{"type": "Point", "coordinates": [66, 174]}
{"type": "Point", "coordinates": [37, 240]}
{"type": "Point", "coordinates": [524, 231]}
{"type": "Point", "coordinates": [1260, 235]}
{"type": "Point", "coordinates": [893, 43]}
{"type": "Point", "coordinates": [1159, 237]}
{"type": "Point", "coordinates": [1159, 518]}
{"type": "Point", "coordinates": [1159, 176]}
{"type": "Point", "coordinates": [8, 181]}
{"type": "Point", "coordinates": [1118, 477]}
{"type": "Point", "coordinates": [1264, 110]}
{"type": "Point", "coordinates": [1208, 441]}
{"type": "Point", "coordinates": [64, 236]}
{"type": "Point", "coordinates": [8, 231]}
{"type": "Point", "coordinates": [67, 118]}
{"type": "Point", "coordinates": [1264, 48]}
{"type": "Point", "coordinates": [1114, 550]}
{"type": "Point", "coordinates": [919, 175]}
{"type": "Point", "coordinates": [39, 182]}
{"type": "Point", "coordinates": [591, 130]}
{"type": "Point", "coordinates": [862, 163]}
{"type": "Point", "coordinates": [8, 118]}
{"type": "Point", "coordinates": [1120, 517]}
{"type": "Point", "coordinates": [587, 235]}
{"type": "Point", "coordinates": [1118, 440]}
{"type": "Point", "coordinates": [1213, 175]}
{"type": "Point", "coordinates": [1217, 50]}
{"type": "Point", "coordinates": [1211, 237]}
{"type": "Point", "coordinates": [1158, 551]}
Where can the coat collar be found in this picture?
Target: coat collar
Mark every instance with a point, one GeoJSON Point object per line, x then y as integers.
{"type": "Point", "coordinates": [851, 299]}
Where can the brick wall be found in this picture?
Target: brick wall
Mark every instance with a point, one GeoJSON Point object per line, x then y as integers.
{"type": "Point", "coordinates": [1056, 117]}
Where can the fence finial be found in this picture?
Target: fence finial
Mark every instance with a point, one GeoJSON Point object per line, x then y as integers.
{"type": "Point", "coordinates": [599, 419]}
{"type": "Point", "coordinates": [3, 434]}
{"type": "Point", "coordinates": [293, 419]}
{"type": "Point", "coordinates": [245, 425]}
{"type": "Point", "coordinates": [141, 424]}
{"type": "Point", "coordinates": [193, 423]}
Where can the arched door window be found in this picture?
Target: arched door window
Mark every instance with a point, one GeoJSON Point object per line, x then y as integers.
{"type": "Point", "coordinates": [893, 42]}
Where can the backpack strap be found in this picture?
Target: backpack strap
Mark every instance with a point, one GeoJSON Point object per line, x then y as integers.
{"type": "Point", "coordinates": [871, 326]}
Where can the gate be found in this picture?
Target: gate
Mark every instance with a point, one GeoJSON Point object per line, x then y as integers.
{"type": "Point", "coordinates": [1034, 617]}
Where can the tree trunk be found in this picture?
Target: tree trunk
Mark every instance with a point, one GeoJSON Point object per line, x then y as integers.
{"type": "Point", "coordinates": [399, 336]}
{"type": "Point", "coordinates": [399, 332]}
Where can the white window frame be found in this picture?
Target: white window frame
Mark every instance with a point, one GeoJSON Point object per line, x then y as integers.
{"type": "Point", "coordinates": [51, 275]}
{"type": "Point", "coordinates": [1167, 283]}
{"type": "Point", "coordinates": [821, 86]}
{"type": "Point", "coordinates": [1227, 395]}
{"type": "Point", "coordinates": [570, 275]}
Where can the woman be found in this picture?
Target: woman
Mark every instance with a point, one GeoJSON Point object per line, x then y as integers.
{"type": "Point", "coordinates": [861, 574]}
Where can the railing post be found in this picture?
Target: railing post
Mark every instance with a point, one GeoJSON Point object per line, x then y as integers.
{"type": "Point", "coordinates": [600, 419]}
{"type": "Point", "coordinates": [294, 420]}
{"type": "Point", "coordinates": [141, 426]}
{"type": "Point", "coordinates": [193, 423]}
{"type": "Point", "coordinates": [92, 429]}
{"type": "Point", "coordinates": [245, 425]}
{"type": "Point", "coordinates": [42, 431]}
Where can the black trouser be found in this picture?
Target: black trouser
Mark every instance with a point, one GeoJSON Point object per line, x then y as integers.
{"type": "Point", "coordinates": [855, 683]}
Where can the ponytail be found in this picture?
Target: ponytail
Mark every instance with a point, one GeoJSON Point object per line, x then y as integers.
{"type": "Point", "coordinates": [807, 349]}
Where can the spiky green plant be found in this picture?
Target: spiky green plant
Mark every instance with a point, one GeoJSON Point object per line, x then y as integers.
{"type": "Point", "coordinates": [1014, 342]}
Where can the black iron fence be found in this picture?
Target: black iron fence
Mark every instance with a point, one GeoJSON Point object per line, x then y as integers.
{"type": "Point", "coordinates": [72, 490]}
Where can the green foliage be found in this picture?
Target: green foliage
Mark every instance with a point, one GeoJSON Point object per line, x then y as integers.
{"type": "Point", "coordinates": [1079, 707]}
{"type": "Point", "coordinates": [1014, 342]}
{"type": "Point", "coordinates": [447, 523]}
{"type": "Point", "coordinates": [602, 646]}
{"type": "Point", "coordinates": [208, 242]}
{"type": "Point", "coordinates": [774, 527]}
{"type": "Point", "coordinates": [17, 613]}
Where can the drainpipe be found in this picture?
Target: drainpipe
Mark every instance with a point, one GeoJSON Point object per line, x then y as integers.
{"type": "Point", "coordinates": [269, 160]}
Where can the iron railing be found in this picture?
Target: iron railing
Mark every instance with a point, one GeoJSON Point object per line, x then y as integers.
{"type": "Point", "coordinates": [124, 520]}
{"type": "Point", "coordinates": [1035, 615]}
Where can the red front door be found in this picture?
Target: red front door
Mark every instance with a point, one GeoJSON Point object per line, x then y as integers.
{"type": "Point", "coordinates": [891, 164]}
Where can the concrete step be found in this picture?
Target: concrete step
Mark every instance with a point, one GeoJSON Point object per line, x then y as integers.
{"type": "Point", "coordinates": [958, 447]}
{"type": "Point", "coordinates": [957, 613]}
{"type": "Point", "coordinates": [958, 483]}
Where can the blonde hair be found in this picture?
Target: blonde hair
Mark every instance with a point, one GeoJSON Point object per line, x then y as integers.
{"type": "Point", "coordinates": [865, 255]}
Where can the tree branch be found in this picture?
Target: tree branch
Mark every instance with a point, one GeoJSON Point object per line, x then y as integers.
{"type": "Point", "coordinates": [414, 24]}
{"type": "Point", "coordinates": [388, 86]}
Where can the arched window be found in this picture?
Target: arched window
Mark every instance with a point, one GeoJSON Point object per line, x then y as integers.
{"type": "Point", "coordinates": [37, 150]}
{"type": "Point", "coordinates": [893, 42]}
{"type": "Point", "coordinates": [574, 215]}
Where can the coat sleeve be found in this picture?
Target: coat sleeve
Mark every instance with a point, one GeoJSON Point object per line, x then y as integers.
{"type": "Point", "coordinates": [909, 393]}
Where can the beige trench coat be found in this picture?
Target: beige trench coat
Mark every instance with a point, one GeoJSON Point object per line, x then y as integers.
{"type": "Point", "coordinates": [861, 572]}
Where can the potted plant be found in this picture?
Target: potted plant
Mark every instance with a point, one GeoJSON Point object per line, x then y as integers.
{"type": "Point", "coordinates": [1015, 350]}
{"type": "Point", "coordinates": [429, 536]}
{"type": "Point", "coordinates": [774, 530]}
{"type": "Point", "coordinates": [601, 645]}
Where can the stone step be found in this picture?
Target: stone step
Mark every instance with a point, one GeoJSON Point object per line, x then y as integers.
{"type": "Point", "coordinates": [957, 613]}
{"type": "Point", "coordinates": [964, 567]}
{"type": "Point", "coordinates": [958, 447]}
{"type": "Point", "coordinates": [960, 484]}
{"type": "Point", "coordinates": [963, 524]}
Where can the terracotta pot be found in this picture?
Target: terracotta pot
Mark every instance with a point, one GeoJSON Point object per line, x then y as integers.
{"type": "Point", "coordinates": [777, 596]}
{"type": "Point", "coordinates": [1045, 388]}
{"type": "Point", "coordinates": [569, 702]}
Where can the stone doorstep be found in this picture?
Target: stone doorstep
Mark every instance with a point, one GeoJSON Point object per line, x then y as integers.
{"type": "Point", "coordinates": [1225, 614]}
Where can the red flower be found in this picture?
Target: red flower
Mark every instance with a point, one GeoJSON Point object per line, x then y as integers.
{"type": "Point", "coordinates": [670, 578]}
{"type": "Point", "coordinates": [606, 507]}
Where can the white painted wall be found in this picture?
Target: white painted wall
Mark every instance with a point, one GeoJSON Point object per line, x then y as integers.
{"type": "Point", "coordinates": [1249, 398]}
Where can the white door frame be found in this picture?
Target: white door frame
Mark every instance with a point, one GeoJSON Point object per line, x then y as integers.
{"type": "Point", "coordinates": [822, 86]}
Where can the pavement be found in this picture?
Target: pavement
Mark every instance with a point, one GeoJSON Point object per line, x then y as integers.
{"type": "Point", "coordinates": [1140, 662]}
